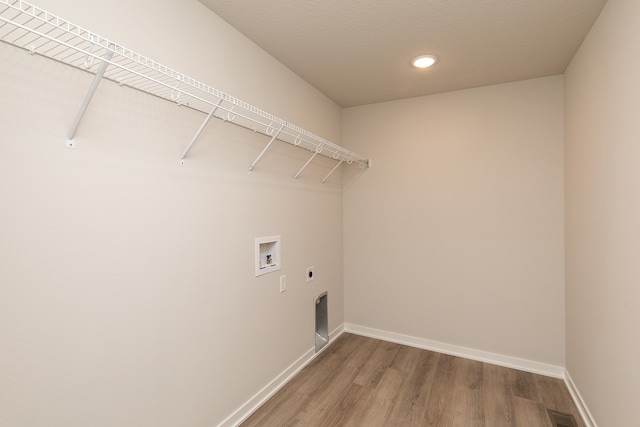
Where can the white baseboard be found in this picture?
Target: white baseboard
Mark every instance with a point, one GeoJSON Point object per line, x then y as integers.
{"type": "Point", "coordinates": [250, 406]}
{"type": "Point", "coordinates": [579, 401]}
{"type": "Point", "coordinates": [454, 350]}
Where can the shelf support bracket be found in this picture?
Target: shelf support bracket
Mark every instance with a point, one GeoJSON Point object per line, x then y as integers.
{"type": "Point", "coordinates": [273, 138]}
{"type": "Point", "coordinates": [318, 150]}
{"type": "Point", "coordinates": [199, 131]}
{"type": "Point", "coordinates": [87, 99]}
{"type": "Point", "coordinates": [333, 170]}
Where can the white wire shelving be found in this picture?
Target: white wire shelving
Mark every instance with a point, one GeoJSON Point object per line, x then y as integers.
{"type": "Point", "coordinates": [27, 26]}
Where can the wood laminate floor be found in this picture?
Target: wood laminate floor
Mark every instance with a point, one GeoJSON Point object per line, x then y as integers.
{"type": "Point", "coordinates": [359, 381]}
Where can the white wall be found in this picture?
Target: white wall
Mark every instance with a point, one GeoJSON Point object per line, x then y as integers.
{"type": "Point", "coordinates": [602, 216]}
{"type": "Point", "coordinates": [127, 288]}
{"type": "Point", "coordinates": [456, 233]}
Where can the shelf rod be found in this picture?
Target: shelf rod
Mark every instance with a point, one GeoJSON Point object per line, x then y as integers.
{"type": "Point", "coordinates": [333, 170]}
{"type": "Point", "coordinates": [87, 98]}
{"type": "Point", "coordinates": [273, 138]}
{"type": "Point", "coordinates": [318, 150]}
{"type": "Point", "coordinates": [199, 131]}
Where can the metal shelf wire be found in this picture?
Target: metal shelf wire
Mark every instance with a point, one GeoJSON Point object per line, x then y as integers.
{"type": "Point", "coordinates": [40, 32]}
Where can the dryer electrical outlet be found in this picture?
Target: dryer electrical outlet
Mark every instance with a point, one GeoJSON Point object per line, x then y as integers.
{"type": "Point", "coordinates": [310, 274]}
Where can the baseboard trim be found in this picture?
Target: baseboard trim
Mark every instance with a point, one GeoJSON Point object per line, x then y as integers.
{"type": "Point", "coordinates": [579, 401]}
{"type": "Point", "coordinates": [251, 405]}
{"type": "Point", "coordinates": [454, 350]}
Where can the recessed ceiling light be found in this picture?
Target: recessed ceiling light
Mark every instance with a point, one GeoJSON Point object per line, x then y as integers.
{"type": "Point", "coordinates": [423, 61]}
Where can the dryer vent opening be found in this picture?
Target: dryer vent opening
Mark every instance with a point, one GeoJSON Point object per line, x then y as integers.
{"type": "Point", "coordinates": [322, 321]}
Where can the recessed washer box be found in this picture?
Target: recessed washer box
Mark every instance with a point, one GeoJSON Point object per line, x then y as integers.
{"type": "Point", "coordinates": [267, 255]}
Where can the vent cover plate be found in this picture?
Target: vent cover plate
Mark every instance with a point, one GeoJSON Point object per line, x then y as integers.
{"type": "Point", "coordinates": [560, 419]}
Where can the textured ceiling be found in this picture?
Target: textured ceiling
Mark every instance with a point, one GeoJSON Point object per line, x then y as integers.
{"type": "Point", "coordinates": [358, 51]}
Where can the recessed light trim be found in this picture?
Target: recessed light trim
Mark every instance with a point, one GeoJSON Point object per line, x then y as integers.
{"type": "Point", "coordinates": [423, 61]}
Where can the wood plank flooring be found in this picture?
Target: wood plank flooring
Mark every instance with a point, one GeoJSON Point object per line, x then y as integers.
{"type": "Point", "coordinates": [360, 381]}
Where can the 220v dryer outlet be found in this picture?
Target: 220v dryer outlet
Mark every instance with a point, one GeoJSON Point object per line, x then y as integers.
{"type": "Point", "coordinates": [310, 274]}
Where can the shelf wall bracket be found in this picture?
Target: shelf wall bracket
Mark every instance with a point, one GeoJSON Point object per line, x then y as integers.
{"type": "Point", "coordinates": [87, 99]}
{"type": "Point", "coordinates": [199, 131]}
{"type": "Point", "coordinates": [332, 170]}
{"type": "Point", "coordinates": [318, 150]}
{"type": "Point", "coordinates": [273, 138]}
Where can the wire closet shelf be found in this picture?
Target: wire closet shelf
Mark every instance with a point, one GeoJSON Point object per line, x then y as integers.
{"type": "Point", "coordinates": [40, 32]}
